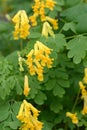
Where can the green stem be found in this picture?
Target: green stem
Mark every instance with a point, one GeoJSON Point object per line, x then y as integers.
{"type": "Point", "coordinates": [74, 106]}
{"type": "Point", "coordinates": [69, 37]}
{"type": "Point", "coordinates": [21, 44]}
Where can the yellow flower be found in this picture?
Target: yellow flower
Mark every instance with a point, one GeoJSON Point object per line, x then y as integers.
{"type": "Point", "coordinates": [84, 111]}
{"type": "Point", "coordinates": [47, 30]}
{"type": "Point", "coordinates": [38, 58]}
{"type": "Point", "coordinates": [33, 19]}
{"type": "Point", "coordinates": [22, 26]}
{"type": "Point", "coordinates": [54, 22]}
{"type": "Point", "coordinates": [85, 77]}
{"type": "Point", "coordinates": [26, 86]}
{"type": "Point", "coordinates": [36, 7]}
{"type": "Point", "coordinates": [83, 88]}
{"type": "Point", "coordinates": [28, 115]}
{"type": "Point", "coordinates": [42, 11]}
{"type": "Point", "coordinates": [50, 4]}
{"type": "Point", "coordinates": [73, 117]}
{"type": "Point", "coordinates": [43, 48]}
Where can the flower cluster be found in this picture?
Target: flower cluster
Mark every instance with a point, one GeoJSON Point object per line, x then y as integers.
{"type": "Point", "coordinates": [38, 58]}
{"type": "Point", "coordinates": [22, 26]}
{"type": "Point", "coordinates": [73, 117]}
{"type": "Point", "coordinates": [28, 115]}
{"type": "Point", "coordinates": [84, 92]}
{"type": "Point", "coordinates": [39, 10]}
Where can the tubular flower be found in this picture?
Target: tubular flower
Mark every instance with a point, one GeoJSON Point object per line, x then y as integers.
{"type": "Point", "coordinates": [28, 115]}
{"type": "Point", "coordinates": [73, 117]}
{"type": "Point", "coordinates": [54, 22]}
{"type": "Point", "coordinates": [84, 97]}
{"type": "Point", "coordinates": [42, 11]}
{"type": "Point", "coordinates": [22, 26]}
{"type": "Point", "coordinates": [20, 62]}
{"type": "Point", "coordinates": [83, 89]}
{"type": "Point", "coordinates": [36, 7]}
{"type": "Point", "coordinates": [26, 86]}
{"type": "Point", "coordinates": [50, 4]}
{"type": "Point", "coordinates": [47, 30]}
{"type": "Point", "coordinates": [85, 77]}
{"type": "Point", "coordinates": [38, 58]}
{"type": "Point", "coordinates": [33, 19]}
{"type": "Point", "coordinates": [84, 111]}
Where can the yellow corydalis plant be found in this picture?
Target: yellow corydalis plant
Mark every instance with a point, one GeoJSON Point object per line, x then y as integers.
{"type": "Point", "coordinates": [73, 117]}
{"type": "Point", "coordinates": [28, 115]}
{"type": "Point", "coordinates": [26, 86]}
{"type": "Point", "coordinates": [38, 58]}
{"type": "Point", "coordinates": [22, 26]}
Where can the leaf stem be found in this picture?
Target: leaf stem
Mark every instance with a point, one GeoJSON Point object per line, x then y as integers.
{"type": "Point", "coordinates": [76, 101]}
{"type": "Point", "coordinates": [69, 37]}
{"type": "Point", "coordinates": [21, 44]}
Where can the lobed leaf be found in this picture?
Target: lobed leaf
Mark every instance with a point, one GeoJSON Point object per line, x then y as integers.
{"type": "Point", "coordinates": [77, 48]}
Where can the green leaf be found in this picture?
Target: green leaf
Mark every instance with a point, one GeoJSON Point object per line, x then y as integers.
{"type": "Point", "coordinates": [58, 91]}
{"type": "Point", "coordinates": [56, 43]}
{"type": "Point", "coordinates": [50, 84]}
{"type": "Point", "coordinates": [72, 13]}
{"type": "Point", "coordinates": [18, 84]}
{"type": "Point", "coordinates": [60, 2]}
{"type": "Point", "coordinates": [77, 48]}
{"type": "Point", "coordinates": [56, 106]}
{"type": "Point", "coordinates": [85, 62]}
{"type": "Point", "coordinates": [64, 61]}
{"type": "Point", "coordinates": [4, 26]}
{"type": "Point", "coordinates": [34, 35]}
{"type": "Point", "coordinates": [40, 98]}
{"type": "Point", "coordinates": [15, 108]}
{"type": "Point", "coordinates": [4, 111]}
{"type": "Point", "coordinates": [71, 2]}
{"type": "Point", "coordinates": [81, 26]}
{"type": "Point", "coordinates": [61, 73]}
{"type": "Point", "coordinates": [14, 125]}
{"type": "Point", "coordinates": [70, 25]}
{"type": "Point", "coordinates": [60, 41]}
{"type": "Point", "coordinates": [13, 58]}
{"type": "Point", "coordinates": [47, 125]}
{"type": "Point", "coordinates": [34, 86]}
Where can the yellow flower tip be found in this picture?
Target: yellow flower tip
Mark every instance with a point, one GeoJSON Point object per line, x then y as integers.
{"type": "Point", "coordinates": [40, 77]}
{"type": "Point", "coordinates": [85, 76]}
{"type": "Point", "coordinates": [73, 117]}
{"type": "Point", "coordinates": [68, 114]}
{"type": "Point", "coordinates": [26, 86]}
{"type": "Point", "coordinates": [84, 111]}
{"type": "Point", "coordinates": [81, 85]}
{"type": "Point", "coordinates": [33, 19]}
{"type": "Point", "coordinates": [54, 22]}
{"type": "Point", "coordinates": [50, 4]}
{"type": "Point", "coordinates": [47, 30]}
